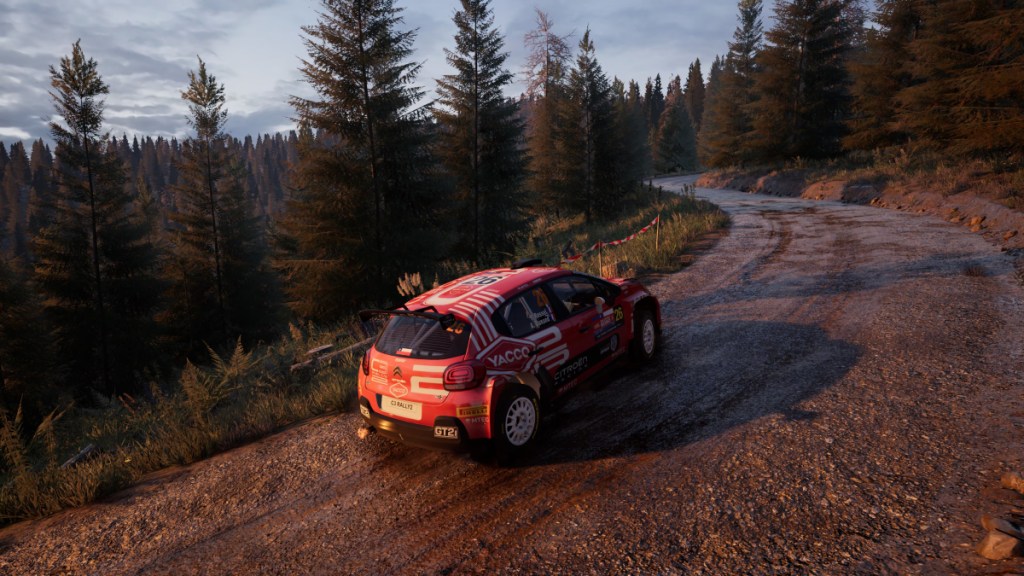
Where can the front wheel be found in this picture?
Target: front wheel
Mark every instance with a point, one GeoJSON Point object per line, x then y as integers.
{"type": "Point", "coordinates": [516, 422]}
{"type": "Point", "coordinates": [644, 346]}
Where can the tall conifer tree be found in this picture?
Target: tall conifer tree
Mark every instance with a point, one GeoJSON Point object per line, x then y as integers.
{"type": "Point", "coordinates": [221, 286]}
{"type": "Point", "coordinates": [14, 192]}
{"type": "Point", "coordinates": [879, 75]}
{"type": "Point", "coordinates": [632, 157]}
{"type": "Point", "coordinates": [803, 84]}
{"type": "Point", "coordinates": [676, 144]}
{"type": "Point", "coordinates": [694, 94]}
{"type": "Point", "coordinates": [366, 203]}
{"type": "Point", "coordinates": [93, 263]}
{"type": "Point", "coordinates": [966, 91]}
{"type": "Point", "coordinates": [480, 137]}
{"type": "Point", "coordinates": [728, 116]}
{"type": "Point", "coordinates": [546, 69]}
{"type": "Point", "coordinates": [586, 142]}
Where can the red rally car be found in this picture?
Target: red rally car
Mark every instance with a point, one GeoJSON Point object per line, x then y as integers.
{"type": "Point", "coordinates": [477, 360]}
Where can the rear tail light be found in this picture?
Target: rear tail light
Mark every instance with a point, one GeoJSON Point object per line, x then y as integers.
{"type": "Point", "coordinates": [365, 364]}
{"type": "Point", "coordinates": [464, 376]}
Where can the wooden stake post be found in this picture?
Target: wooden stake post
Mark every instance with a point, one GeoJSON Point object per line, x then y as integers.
{"type": "Point", "coordinates": [657, 234]}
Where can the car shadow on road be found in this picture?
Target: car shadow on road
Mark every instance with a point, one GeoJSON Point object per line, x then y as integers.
{"type": "Point", "coordinates": [710, 377]}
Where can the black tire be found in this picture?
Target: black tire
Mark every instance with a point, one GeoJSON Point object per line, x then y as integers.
{"type": "Point", "coordinates": [516, 423]}
{"type": "Point", "coordinates": [645, 344]}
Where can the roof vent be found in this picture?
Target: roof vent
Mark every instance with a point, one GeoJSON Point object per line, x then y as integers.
{"type": "Point", "coordinates": [527, 263]}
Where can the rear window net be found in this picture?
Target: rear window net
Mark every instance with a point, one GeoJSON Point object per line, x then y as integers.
{"type": "Point", "coordinates": [423, 338]}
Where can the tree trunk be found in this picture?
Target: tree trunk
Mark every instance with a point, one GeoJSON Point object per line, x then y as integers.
{"type": "Point", "coordinates": [100, 308]}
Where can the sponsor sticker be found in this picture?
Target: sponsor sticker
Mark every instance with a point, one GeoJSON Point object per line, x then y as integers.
{"type": "Point", "coordinates": [470, 411]}
{"type": "Point", "coordinates": [379, 372]}
{"type": "Point", "coordinates": [398, 389]}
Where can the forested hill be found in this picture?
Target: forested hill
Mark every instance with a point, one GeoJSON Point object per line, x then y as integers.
{"type": "Point", "coordinates": [150, 165]}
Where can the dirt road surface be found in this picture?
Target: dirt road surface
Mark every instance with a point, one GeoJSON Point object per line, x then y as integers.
{"type": "Point", "coordinates": [840, 389]}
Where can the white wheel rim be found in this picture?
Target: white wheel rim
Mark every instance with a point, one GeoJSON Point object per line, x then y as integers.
{"type": "Point", "coordinates": [520, 421]}
{"type": "Point", "coordinates": [648, 336]}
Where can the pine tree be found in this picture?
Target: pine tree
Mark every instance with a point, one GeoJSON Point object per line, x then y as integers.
{"type": "Point", "coordinates": [676, 144]}
{"type": "Point", "coordinates": [221, 286]}
{"type": "Point", "coordinates": [586, 140]}
{"type": "Point", "coordinates": [631, 154]}
{"type": "Point", "coordinates": [92, 261]}
{"type": "Point", "coordinates": [481, 136]}
{"type": "Point", "coordinates": [4, 159]}
{"type": "Point", "coordinates": [41, 194]}
{"type": "Point", "coordinates": [366, 201]}
{"type": "Point", "coordinates": [14, 193]}
{"type": "Point", "coordinates": [966, 92]}
{"type": "Point", "coordinates": [878, 76]}
{"type": "Point", "coordinates": [728, 116]}
{"type": "Point", "coordinates": [694, 94]}
{"type": "Point", "coordinates": [713, 85]}
{"type": "Point", "coordinates": [803, 84]}
{"type": "Point", "coordinates": [546, 75]}
{"type": "Point", "coordinates": [657, 105]}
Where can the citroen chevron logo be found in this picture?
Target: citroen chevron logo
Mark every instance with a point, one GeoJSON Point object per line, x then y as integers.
{"type": "Point", "coordinates": [397, 372]}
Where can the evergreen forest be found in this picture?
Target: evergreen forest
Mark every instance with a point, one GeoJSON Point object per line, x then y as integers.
{"type": "Point", "coordinates": [122, 258]}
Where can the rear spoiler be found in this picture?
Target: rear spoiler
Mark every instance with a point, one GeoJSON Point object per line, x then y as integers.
{"type": "Point", "coordinates": [430, 313]}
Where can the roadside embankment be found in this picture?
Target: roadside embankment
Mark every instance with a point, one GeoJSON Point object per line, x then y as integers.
{"type": "Point", "coordinates": [1000, 224]}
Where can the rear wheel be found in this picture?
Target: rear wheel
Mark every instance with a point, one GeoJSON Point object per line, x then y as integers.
{"type": "Point", "coordinates": [644, 346]}
{"type": "Point", "coordinates": [516, 422]}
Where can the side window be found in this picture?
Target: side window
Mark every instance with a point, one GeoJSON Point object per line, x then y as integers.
{"type": "Point", "coordinates": [576, 293]}
{"type": "Point", "coordinates": [563, 290]}
{"type": "Point", "coordinates": [525, 313]}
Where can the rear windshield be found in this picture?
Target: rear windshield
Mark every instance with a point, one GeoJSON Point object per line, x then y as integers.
{"type": "Point", "coordinates": [416, 337]}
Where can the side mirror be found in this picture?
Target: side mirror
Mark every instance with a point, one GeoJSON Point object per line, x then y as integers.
{"type": "Point", "coordinates": [599, 303]}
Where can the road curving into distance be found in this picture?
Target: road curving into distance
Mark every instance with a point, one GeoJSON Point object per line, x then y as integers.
{"type": "Point", "coordinates": [838, 393]}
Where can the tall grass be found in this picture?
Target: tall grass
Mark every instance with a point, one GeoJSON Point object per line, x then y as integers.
{"type": "Point", "coordinates": [683, 220]}
{"type": "Point", "coordinates": [241, 395]}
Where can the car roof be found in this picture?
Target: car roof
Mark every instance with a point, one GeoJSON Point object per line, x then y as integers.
{"type": "Point", "coordinates": [484, 289]}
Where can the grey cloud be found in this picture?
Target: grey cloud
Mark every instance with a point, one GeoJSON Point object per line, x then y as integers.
{"type": "Point", "coordinates": [31, 118]}
{"type": "Point", "coordinates": [146, 62]}
{"type": "Point", "coordinates": [266, 120]}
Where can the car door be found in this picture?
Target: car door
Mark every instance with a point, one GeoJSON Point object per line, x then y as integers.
{"type": "Point", "coordinates": [593, 327]}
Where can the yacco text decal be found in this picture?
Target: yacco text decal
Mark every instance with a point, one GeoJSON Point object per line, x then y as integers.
{"type": "Point", "coordinates": [509, 356]}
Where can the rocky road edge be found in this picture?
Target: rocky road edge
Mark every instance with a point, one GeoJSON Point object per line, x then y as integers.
{"type": "Point", "coordinates": [1000, 225]}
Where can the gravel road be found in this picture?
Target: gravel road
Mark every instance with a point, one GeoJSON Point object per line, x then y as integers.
{"type": "Point", "coordinates": [840, 389]}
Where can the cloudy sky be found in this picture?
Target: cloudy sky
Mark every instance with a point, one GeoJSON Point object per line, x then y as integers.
{"type": "Point", "coordinates": [145, 48]}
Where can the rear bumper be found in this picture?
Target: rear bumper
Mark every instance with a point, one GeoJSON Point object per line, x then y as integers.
{"type": "Point", "coordinates": [415, 434]}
